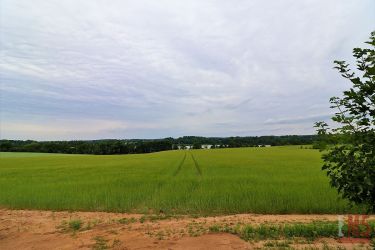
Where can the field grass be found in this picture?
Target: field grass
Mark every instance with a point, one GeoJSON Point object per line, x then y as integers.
{"type": "Point", "coordinates": [220, 181]}
{"type": "Point", "coordinates": [311, 231]}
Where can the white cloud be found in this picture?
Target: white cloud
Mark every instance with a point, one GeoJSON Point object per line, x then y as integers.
{"type": "Point", "coordinates": [182, 66]}
{"type": "Point", "coordinates": [76, 129]}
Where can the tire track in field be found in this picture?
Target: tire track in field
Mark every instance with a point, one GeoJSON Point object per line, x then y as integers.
{"type": "Point", "coordinates": [161, 184]}
{"type": "Point", "coordinates": [199, 170]}
{"type": "Point", "coordinates": [180, 166]}
{"type": "Point", "coordinates": [195, 183]}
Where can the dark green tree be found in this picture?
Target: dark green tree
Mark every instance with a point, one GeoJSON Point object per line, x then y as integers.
{"type": "Point", "coordinates": [349, 156]}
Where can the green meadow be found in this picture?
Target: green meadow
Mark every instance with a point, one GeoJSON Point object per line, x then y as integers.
{"type": "Point", "coordinates": [219, 181]}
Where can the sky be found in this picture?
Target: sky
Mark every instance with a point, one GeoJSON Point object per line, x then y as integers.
{"type": "Point", "coordinates": [95, 69]}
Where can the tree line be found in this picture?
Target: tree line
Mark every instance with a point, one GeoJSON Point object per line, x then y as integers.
{"type": "Point", "coordinates": [137, 146]}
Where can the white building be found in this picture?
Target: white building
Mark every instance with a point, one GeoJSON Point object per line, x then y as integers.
{"type": "Point", "coordinates": [186, 147]}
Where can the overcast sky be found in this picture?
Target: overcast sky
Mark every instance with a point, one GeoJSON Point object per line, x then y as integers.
{"type": "Point", "coordinates": [151, 69]}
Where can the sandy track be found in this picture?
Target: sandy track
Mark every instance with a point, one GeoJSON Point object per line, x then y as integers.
{"type": "Point", "coordinates": [23, 229]}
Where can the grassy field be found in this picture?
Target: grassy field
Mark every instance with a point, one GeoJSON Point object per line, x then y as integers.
{"type": "Point", "coordinates": [220, 181]}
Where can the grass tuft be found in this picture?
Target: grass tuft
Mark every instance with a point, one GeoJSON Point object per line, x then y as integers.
{"type": "Point", "coordinates": [100, 243]}
{"type": "Point", "coordinates": [310, 231]}
{"type": "Point", "coordinates": [75, 225]}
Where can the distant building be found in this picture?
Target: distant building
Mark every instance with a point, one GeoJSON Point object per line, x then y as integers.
{"type": "Point", "coordinates": [262, 146]}
{"type": "Point", "coordinates": [206, 146]}
{"type": "Point", "coordinates": [184, 147]}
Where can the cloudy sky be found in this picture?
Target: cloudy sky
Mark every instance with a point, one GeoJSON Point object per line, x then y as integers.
{"type": "Point", "coordinates": [150, 69]}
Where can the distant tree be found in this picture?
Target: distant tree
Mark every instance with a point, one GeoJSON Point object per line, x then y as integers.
{"type": "Point", "coordinates": [349, 158]}
{"type": "Point", "coordinates": [5, 146]}
{"type": "Point", "coordinates": [146, 146]}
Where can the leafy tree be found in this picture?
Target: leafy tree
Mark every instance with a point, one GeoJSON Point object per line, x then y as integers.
{"type": "Point", "coordinates": [349, 158]}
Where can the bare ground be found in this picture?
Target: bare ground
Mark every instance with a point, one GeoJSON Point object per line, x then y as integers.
{"type": "Point", "coordinates": [24, 229]}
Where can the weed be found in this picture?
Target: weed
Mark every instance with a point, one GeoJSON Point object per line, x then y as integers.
{"type": "Point", "coordinates": [307, 231]}
{"type": "Point", "coordinates": [75, 225]}
{"type": "Point", "coordinates": [63, 227]}
{"type": "Point", "coordinates": [160, 235]}
{"type": "Point", "coordinates": [100, 243]}
{"type": "Point", "coordinates": [116, 243]}
{"type": "Point", "coordinates": [277, 244]}
{"type": "Point", "coordinates": [142, 219]}
{"type": "Point", "coordinates": [214, 228]}
{"type": "Point", "coordinates": [127, 221]}
{"type": "Point", "coordinates": [88, 225]}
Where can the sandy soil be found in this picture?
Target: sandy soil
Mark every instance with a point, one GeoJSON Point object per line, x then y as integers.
{"type": "Point", "coordinates": [23, 229]}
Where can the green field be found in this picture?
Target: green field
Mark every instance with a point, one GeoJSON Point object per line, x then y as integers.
{"type": "Point", "coordinates": [220, 181]}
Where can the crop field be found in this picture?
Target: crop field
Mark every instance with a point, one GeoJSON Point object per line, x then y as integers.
{"type": "Point", "coordinates": [220, 181]}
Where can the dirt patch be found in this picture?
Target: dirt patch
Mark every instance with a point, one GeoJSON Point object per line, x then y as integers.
{"type": "Point", "coordinates": [23, 229]}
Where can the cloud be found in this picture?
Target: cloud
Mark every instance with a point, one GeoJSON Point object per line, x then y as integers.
{"type": "Point", "coordinates": [74, 129]}
{"type": "Point", "coordinates": [253, 67]}
{"type": "Point", "coordinates": [310, 119]}
{"type": "Point", "coordinates": [77, 129]}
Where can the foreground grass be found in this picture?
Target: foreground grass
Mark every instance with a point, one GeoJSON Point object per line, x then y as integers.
{"type": "Point", "coordinates": [220, 181]}
{"type": "Point", "coordinates": [309, 231]}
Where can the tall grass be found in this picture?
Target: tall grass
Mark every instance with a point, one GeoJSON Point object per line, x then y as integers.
{"type": "Point", "coordinates": [220, 181]}
{"type": "Point", "coordinates": [310, 230]}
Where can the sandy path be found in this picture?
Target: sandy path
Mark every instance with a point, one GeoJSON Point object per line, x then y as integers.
{"type": "Point", "coordinates": [23, 229]}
